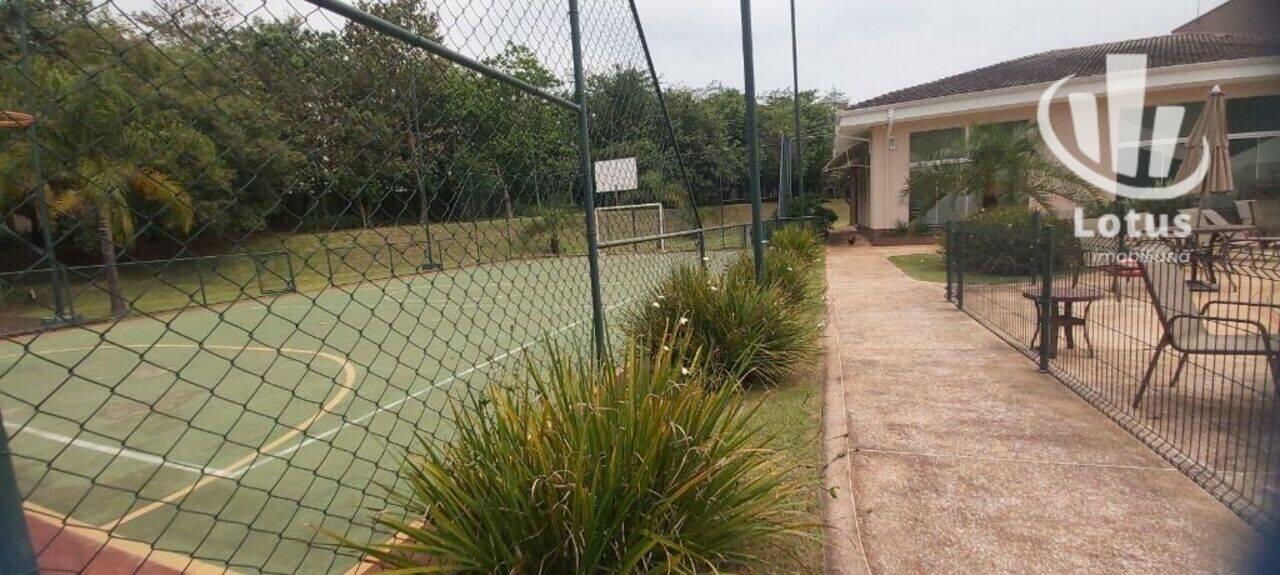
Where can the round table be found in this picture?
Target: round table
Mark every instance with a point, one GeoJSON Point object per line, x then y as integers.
{"type": "Point", "coordinates": [1062, 300]}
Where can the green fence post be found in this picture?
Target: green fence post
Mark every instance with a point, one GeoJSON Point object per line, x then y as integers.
{"type": "Point", "coordinates": [63, 307]}
{"type": "Point", "coordinates": [960, 239]}
{"type": "Point", "coordinates": [1048, 333]}
{"type": "Point", "coordinates": [588, 182]}
{"type": "Point", "coordinates": [753, 143]}
{"type": "Point", "coordinates": [795, 100]}
{"type": "Point", "coordinates": [702, 248]}
{"type": "Point", "coordinates": [16, 555]}
{"type": "Point", "coordinates": [949, 233]}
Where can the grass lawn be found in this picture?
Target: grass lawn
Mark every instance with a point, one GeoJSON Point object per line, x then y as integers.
{"type": "Point", "coordinates": [792, 415]}
{"type": "Point", "coordinates": [932, 267]}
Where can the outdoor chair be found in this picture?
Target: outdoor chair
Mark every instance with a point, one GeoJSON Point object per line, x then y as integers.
{"type": "Point", "coordinates": [1104, 253]}
{"type": "Point", "coordinates": [1185, 328]}
{"type": "Point", "coordinates": [1245, 209]}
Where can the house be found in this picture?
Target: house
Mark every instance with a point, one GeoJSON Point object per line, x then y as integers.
{"type": "Point", "coordinates": [1236, 46]}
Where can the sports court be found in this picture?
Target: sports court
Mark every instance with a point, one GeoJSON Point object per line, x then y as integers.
{"type": "Point", "coordinates": [258, 425]}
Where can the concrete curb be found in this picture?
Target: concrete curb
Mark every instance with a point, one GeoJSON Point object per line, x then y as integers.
{"type": "Point", "coordinates": [843, 553]}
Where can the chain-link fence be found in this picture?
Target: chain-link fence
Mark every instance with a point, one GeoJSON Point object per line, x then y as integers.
{"type": "Point", "coordinates": [251, 250]}
{"type": "Point", "coordinates": [1174, 338]}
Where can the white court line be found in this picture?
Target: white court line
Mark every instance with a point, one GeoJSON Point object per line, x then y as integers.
{"type": "Point", "coordinates": [280, 455]}
{"type": "Point", "coordinates": [115, 451]}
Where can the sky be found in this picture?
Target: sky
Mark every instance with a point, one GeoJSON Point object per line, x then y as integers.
{"type": "Point", "coordinates": [865, 48]}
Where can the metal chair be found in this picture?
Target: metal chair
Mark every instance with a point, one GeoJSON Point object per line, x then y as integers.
{"type": "Point", "coordinates": [1184, 326]}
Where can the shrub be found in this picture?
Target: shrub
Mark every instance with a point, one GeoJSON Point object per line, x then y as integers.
{"type": "Point", "coordinates": [750, 334]}
{"type": "Point", "coordinates": [1005, 241]}
{"type": "Point", "coordinates": [800, 240]}
{"type": "Point", "coordinates": [617, 469]}
{"type": "Point", "coordinates": [813, 205]}
{"type": "Point", "coordinates": [795, 279]}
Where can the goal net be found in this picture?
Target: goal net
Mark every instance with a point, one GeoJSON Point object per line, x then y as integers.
{"type": "Point", "coordinates": [615, 223]}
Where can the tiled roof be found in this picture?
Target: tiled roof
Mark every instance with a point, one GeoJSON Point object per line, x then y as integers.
{"type": "Point", "coordinates": [1170, 50]}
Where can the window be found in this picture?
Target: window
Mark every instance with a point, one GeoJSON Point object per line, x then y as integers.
{"type": "Point", "coordinates": [1254, 136]}
{"type": "Point", "coordinates": [937, 146]}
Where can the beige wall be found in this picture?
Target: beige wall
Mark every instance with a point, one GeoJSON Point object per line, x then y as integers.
{"type": "Point", "coordinates": [889, 167]}
{"type": "Point", "coordinates": [1249, 17]}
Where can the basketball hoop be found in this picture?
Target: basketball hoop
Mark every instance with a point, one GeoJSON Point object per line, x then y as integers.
{"type": "Point", "coordinates": [10, 119]}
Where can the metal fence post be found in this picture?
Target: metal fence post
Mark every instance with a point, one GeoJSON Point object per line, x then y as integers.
{"type": "Point", "coordinates": [753, 143]}
{"type": "Point", "coordinates": [702, 248]}
{"type": "Point", "coordinates": [63, 306]}
{"type": "Point", "coordinates": [1048, 339]}
{"type": "Point", "coordinates": [960, 265]}
{"type": "Point", "coordinates": [588, 182]}
{"type": "Point", "coordinates": [949, 233]}
{"type": "Point", "coordinates": [795, 100]}
{"type": "Point", "coordinates": [16, 555]}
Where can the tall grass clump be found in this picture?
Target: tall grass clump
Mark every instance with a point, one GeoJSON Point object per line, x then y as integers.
{"type": "Point", "coordinates": [800, 240]}
{"type": "Point", "coordinates": [749, 334]}
{"type": "Point", "coordinates": [795, 279]}
{"type": "Point", "coordinates": [632, 468]}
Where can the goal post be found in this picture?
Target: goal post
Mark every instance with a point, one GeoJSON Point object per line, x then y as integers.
{"type": "Point", "coordinates": [631, 221]}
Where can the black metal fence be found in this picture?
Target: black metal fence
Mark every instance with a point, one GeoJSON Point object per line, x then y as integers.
{"type": "Point", "coordinates": [1175, 339]}
{"type": "Point", "coordinates": [250, 252]}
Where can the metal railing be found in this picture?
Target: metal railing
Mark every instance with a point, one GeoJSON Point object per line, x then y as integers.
{"type": "Point", "coordinates": [1174, 339]}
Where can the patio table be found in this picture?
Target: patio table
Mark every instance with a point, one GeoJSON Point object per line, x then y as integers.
{"type": "Point", "coordinates": [1062, 300]}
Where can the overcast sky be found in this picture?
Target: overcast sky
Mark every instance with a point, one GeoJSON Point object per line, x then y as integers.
{"type": "Point", "coordinates": [868, 47]}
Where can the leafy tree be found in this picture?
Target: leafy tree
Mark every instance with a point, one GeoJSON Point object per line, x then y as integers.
{"type": "Point", "coordinates": [110, 192]}
{"type": "Point", "coordinates": [1002, 166]}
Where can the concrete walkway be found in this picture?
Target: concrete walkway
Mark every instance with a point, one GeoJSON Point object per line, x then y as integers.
{"type": "Point", "coordinates": [964, 459]}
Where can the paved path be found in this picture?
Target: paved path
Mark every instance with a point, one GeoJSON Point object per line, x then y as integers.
{"type": "Point", "coordinates": [964, 459]}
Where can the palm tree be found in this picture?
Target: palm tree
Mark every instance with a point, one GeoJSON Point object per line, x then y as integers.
{"type": "Point", "coordinates": [1003, 165]}
{"type": "Point", "coordinates": [106, 195]}
{"type": "Point", "coordinates": [553, 222]}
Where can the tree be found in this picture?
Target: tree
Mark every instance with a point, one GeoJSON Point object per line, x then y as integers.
{"type": "Point", "coordinates": [552, 222]}
{"type": "Point", "coordinates": [1001, 165]}
{"type": "Point", "coordinates": [108, 196]}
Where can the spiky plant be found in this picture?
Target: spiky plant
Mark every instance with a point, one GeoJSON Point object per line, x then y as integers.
{"type": "Point", "coordinates": [799, 240]}
{"type": "Point", "coordinates": [790, 275]}
{"type": "Point", "coordinates": [751, 334]}
{"type": "Point", "coordinates": [633, 468]}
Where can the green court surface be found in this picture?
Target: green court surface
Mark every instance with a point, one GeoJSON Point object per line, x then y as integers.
{"type": "Point", "coordinates": [238, 434]}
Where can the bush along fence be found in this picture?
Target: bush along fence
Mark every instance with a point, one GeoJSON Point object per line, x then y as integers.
{"type": "Point", "coordinates": [251, 255]}
{"type": "Point", "coordinates": [1174, 338]}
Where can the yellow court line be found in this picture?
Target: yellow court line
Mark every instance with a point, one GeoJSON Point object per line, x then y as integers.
{"type": "Point", "coordinates": [143, 551]}
{"type": "Point", "coordinates": [347, 385]}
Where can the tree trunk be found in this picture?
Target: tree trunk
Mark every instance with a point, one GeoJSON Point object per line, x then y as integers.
{"type": "Point", "coordinates": [107, 243]}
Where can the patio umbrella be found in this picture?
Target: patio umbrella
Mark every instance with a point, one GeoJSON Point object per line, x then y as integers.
{"type": "Point", "coordinates": [1210, 129]}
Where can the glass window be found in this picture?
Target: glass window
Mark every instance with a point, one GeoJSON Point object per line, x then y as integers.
{"type": "Point", "coordinates": [935, 145]}
{"type": "Point", "coordinates": [1252, 115]}
{"type": "Point", "coordinates": [1255, 167]}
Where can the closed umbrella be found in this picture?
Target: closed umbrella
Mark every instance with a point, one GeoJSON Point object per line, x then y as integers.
{"type": "Point", "coordinates": [1210, 129]}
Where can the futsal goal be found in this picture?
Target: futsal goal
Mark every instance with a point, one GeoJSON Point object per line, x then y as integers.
{"type": "Point", "coordinates": [631, 221]}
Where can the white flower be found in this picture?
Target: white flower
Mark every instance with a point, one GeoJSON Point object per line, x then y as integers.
{"type": "Point", "coordinates": [656, 304]}
{"type": "Point", "coordinates": [660, 296]}
{"type": "Point", "coordinates": [666, 348]}
{"type": "Point", "coordinates": [714, 288]}
{"type": "Point", "coordinates": [789, 269]}
{"type": "Point", "coordinates": [684, 370]}
{"type": "Point", "coordinates": [684, 320]}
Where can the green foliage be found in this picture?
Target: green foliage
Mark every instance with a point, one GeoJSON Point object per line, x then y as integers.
{"type": "Point", "coordinates": [1003, 166]}
{"type": "Point", "coordinates": [638, 468]}
{"type": "Point", "coordinates": [1006, 242]}
{"type": "Point", "coordinates": [751, 334]}
{"type": "Point", "coordinates": [790, 275]}
{"type": "Point", "coordinates": [799, 240]}
{"type": "Point", "coordinates": [814, 205]}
